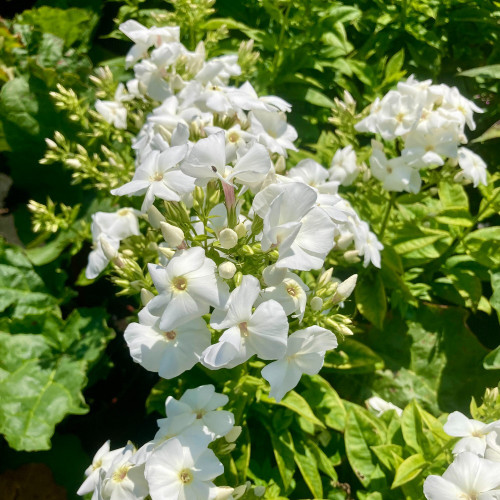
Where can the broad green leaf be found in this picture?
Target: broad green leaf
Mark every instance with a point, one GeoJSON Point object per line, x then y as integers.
{"type": "Point", "coordinates": [327, 404]}
{"type": "Point", "coordinates": [370, 299]}
{"type": "Point", "coordinates": [19, 106]}
{"type": "Point", "coordinates": [306, 462]}
{"type": "Point", "coordinates": [482, 244]}
{"type": "Point", "coordinates": [394, 65]}
{"type": "Point", "coordinates": [495, 297]}
{"type": "Point", "coordinates": [453, 196]}
{"type": "Point", "coordinates": [409, 470]}
{"type": "Point", "coordinates": [324, 463]}
{"type": "Point", "coordinates": [317, 98]}
{"type": "Point", "coordinates": [389, 455]}
{"type": "Point", "coordinates": [492, 133]}
{"type": "Point", "coordinates": [43, 373]}
{"type": "Point", "coordinates": [354, 357]}
{"type": "Point", "coordinates": [362, 431]}
{"type": "Point", "coordinates": [297, 404]}
{"type": "Point", "coordinates": [491, 71]}
{"type": "Point", "coordinates": [20, 286]}
{"type": "Point", "coordinates": [284, 454]}
{"type": "Point", "coordinates": [492, 360]}
{"type": "Point", "coordinates": [417, 243]}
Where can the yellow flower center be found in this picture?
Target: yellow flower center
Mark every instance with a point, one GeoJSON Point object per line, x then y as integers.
{"type": "Point", "coordinates": [179, 284]}
{"type": "Point", "coordinates": [243, 329]}
{"type": "Point", "coordinates": [186, 476]}
{"type": "Point", "coordinates": [120, 474]}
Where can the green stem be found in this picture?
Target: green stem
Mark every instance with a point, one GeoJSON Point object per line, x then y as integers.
{"type": "Point", "coordinates": [386, 215]}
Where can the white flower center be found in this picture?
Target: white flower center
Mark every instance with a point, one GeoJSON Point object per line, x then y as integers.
{"type": "Point", "coordinates": [158, 176]}
{"type": "Point", "coordinates": [186, 476]}
{"type": "Point", "coordinates": [121, 473]}
{"type": "Point", "coordinates": [243, 328]}
{"type": "Point", "coordinates": [179, 284]}
{"type": "Point", "coordinates": [170, 335]}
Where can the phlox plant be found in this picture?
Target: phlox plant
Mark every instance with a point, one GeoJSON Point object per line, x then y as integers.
{"type": "Point", "coordinates": [232, 238]}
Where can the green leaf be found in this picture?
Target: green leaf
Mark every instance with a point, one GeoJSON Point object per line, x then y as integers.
{"type": "Point", "coordinates": [453, 196]}
{"type": "Point", "coordinates": [284, 454]}
{"type": "Point", "coordinates": [483, 246]}
{"type": "Point", "coordinates": [370, 299]}
{"type": "Point", "coordinates": [306, 462]}
{"type": "Point", "coordinates": [492, 360]}
{"type": "Point", "coordinates": [71, 25]}
{"type": "Point", "coordinates": [495, 297]}
{"type": "Point", "coordinates": [354, 357]}
{"type": "Point", "coordinates": [297, 404]}
{"type": "Point", "coordinates": [20, 286]}
{"type": "Point", "coordinates": [492, 133]}
{"type": "Point", "coordinates": [409, 470]}
{"type": "Point", "coordinates": [326, 402]}
{"type": "Point", "coordinates": [394, 65]}
{"type": "Point", "coordinates": [362, 431]}
{"type": "Point", "coordinates": [43, 373]}
{"type": "Point", "coordinates": [19, 106]}
{"type": "Point", "coordinates": [491, 71]}
{"type": "Point", "coordinates": [419, 243]}
{"type": "Point", "coordinates": [317, 98]}
{"type": "Point", "coordinates": [389, 455]}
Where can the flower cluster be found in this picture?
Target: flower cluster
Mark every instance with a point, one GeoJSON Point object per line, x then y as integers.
{"type": "Point", "coordinates": [225, 282]}
{"type": "Point", "coordinates": [428, 124]}
{"type": "Point", "coordinates": [475, 472]}
{"type": "Point", "coordinates": [177, 463]}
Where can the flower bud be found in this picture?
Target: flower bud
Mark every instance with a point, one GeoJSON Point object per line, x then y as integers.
{"type": "Point", "coordinates": [239, 491]}
{"type": "Point", "coordinates": [345, 289]}
{"type": "Point", "coordinates": [146, 296]}
{"type": "Point", "coordinates": [259, 491]}
{"type": "Point", "coordinates": [325, 277]}
{"type": "Point", "coordinates": [128, 253]}
{"type": "Point", "coordinates": [50, 143]}
{"type": "Point", "coordinates": [273, 275]}
{"type": "Point", "coordinates": [316, 303]}
{"type": "Point", "coordinates": [108, 250]}
{"type": "Point", "coordinates": [155, 217]}
{"type": "Point", "coordinates": [224, 492]}
{"type": "Point", "coordinates": [233, 434]}
{"type": "Point", "coordinates": [241, 230]}
{"type": "Point", "coordinates": [352, 256]}
{"type": "Point", "coordinates": [228, 238]}
{"type": "Point", "coordinates": [344, 330]}
{"type": "Point", "coordinates": [174, 236]}
{"type": "Point", "coordinates": [166, 252]}
{"type": "Point", "coordinates": [227, 270]}
{"type": "Point", "coordinates": [73, 162]}
{"type": "Point", "coordinates": [280, 165]}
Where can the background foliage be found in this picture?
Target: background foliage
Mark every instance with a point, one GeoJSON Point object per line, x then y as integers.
{"type": "Point", "coordinates": [427, 322]}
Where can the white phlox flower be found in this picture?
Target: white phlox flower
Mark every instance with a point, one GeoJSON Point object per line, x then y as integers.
{"type": "Point", "coordinates": [473, 167]}
{"type": "Point", "coordinates": [291, 293]}
{"type": "Point", "coordinates": [100, 463]}
{"type": "Point", "coordinates": [302, 232]}
{"type": "Point", "coordinates": [245, 97]}
{"type": "Point", "coordinates": [201, 403]}
{"type": "Point", "coordinates": [169, 353]}
{"type": "Point", "coordinates": [472, 432]}
{"type": "Point", "coordinates": [305, 353]}
{"type": "Point", "coordinates": [238, 141]}
{"type": "Point", "coordinates": [114, 112]}
{"type": "Point", "coordinates": [343, 168]}
{"type": "Point", "coordinates": [158, 177]}
{"type": "Point", "coordinates": [381, 406]}
{"type": "Point", "coordinates": [123, 480]}
{"type": "Point", "coordinates": [182, 469]}
{"type": "Point", "coordinates": [273, 131]}
{"type": "Point", "coordinates": [207, 161]}
{"type": "Point", "coordinates": [313, 174]}
{"type": "Point", "coordinates": [469, 477]}
{"type": "Point", "coordinates": [187, 286]}
{"type": "Point", "coordinates": [109, 229]}
{"type": "Point", "coordinates": [246, 332]}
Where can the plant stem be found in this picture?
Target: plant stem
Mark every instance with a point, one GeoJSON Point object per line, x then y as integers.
{"type": "Point", "coordinates": [386, 215]}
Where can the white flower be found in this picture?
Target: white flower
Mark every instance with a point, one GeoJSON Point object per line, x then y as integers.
{"type": "Point", "coordinates": [395, 174]}
{"type": "Point", "coordinates": [158, 177]}
{"type": "Point", "coordinates": [493, 446]}
{"type": "Point", "coordinates": [469, 477]}
{"type": "Point", "coordinates": [344, 168]}
{"type": "Point", "coordinates": [302, 232]}
{"type": "Point", "coordinates": [313, 174]}
{"type": "Point", "coordinates": [207, 161]}
{"type": "Point", "coordinates": [202, 402]}
{"type": "Point", "coordinates": [100, 463]}
{"type": "Point", "coordinates": [290, 293]}
{"type": "Point", "coordinates": [168, 353]}
{"type": "Point", "coordinates": [187, 287]}
{"type": "Point", "coordinates": [345, 289]}
{"type": "Point", "coordinates": [381, 406]}
{"type": "Point", "coordinates": [273, 131]}
{"type": "Point", "coordinates": [472, 432]}
{"type": "Point", "coordinates": [113, 112]}
{"type": "Point", "coordinates": [305, 353]}
{"type": "Point", "coordinates": [124, 480]}
{"type": "Point", "coordinates": [182, 469]}
{"type": "Point", "coordinates": [473, 166]}
{"type": "Point", "coordinates": [262, 332]}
